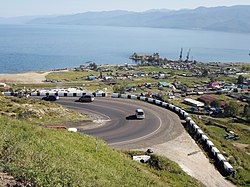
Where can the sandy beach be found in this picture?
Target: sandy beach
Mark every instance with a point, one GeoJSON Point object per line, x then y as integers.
{"type": "Point", "coordinates": [24, 78]}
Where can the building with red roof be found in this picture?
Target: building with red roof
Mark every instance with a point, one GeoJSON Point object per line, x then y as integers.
{"type": "Point", "coordinates": [210, 99]}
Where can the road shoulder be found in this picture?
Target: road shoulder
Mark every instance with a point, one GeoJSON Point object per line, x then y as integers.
{"type": "Point", "coordinates": [184, 151]}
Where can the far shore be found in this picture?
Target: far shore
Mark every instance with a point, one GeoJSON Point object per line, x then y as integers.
{"type": "Point", "coordinates": [32, 77]}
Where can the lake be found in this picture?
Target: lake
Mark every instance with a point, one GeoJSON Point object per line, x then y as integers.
{"type": "Point", "coordinates": [45, 47]}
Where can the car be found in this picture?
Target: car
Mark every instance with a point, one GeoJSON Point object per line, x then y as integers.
{"type": "Point", "coordinates": [139, 113]}
{"type": "Point", "coordinates": [21, 95]}
{"type": "Point", "coordinates": [149, 151]}
{"type": "Point", "coordinates": [86, 98]}
{"type": "Point", "coordinates": [50, 98]}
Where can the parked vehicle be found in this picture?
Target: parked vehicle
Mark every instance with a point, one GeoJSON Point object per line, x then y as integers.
{"type": "Point", "coordinates": [50, 98]}
{"type": "Point", "coordinates": [139, 113]}
{"type": "Point", "coordinates": [86, 98]}
{"type": "Point", "coordinates": [21, 94]}
{"type": "Point", "coordinates": [231, 136]}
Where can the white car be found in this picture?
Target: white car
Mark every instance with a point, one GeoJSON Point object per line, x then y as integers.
{"type": "Point", "coordinates": [139, 113]}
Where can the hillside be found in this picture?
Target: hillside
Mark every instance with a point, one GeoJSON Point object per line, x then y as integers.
{"type": "Point", "coordinates": [229, 19]}
{"type": "Point", "coordinates": [37, 111]}
{"type": "Point", "coordinates": [48, 157]}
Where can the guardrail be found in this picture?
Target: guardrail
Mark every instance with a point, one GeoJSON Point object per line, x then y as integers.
{"type": "Point", "coordinates": [222, 164]}
{"type": "Point", "coordinates": [58, 93]}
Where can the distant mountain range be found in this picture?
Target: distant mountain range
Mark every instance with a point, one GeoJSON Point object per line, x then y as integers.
{"type": "Point", "coordinates": [228, 19]}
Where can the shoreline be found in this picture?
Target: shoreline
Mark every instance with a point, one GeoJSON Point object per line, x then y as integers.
{"type": "Point", "coordinates": [29, 77]}
{"type": "Point", "coordinates": [24, 78]}
{"type": "Point", "coordinates": [38, 77]}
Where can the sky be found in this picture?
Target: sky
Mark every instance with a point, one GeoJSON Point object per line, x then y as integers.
{"type": "Point", "coordinates": [13, 8]}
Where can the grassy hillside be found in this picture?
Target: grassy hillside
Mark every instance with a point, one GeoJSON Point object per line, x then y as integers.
{"type": "Point", "coordinates": [50, 157]}
{"type": "Point", "coordinates": [37, 111]}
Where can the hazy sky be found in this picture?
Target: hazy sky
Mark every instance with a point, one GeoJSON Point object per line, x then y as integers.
{"type": "Point", "coordinates": [10, 8]}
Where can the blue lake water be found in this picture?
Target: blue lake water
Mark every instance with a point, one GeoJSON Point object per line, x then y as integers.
{"type": "Point", "coordinates": [44, 47]}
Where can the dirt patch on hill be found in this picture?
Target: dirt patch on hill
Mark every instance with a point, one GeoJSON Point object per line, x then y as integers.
{"type": "Point", "coordinates": [8, 180]}
{"type": "Point", "coordinates": [241, 146]}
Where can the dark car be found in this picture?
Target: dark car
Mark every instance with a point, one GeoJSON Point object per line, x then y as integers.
{"type": "Point", "coordinates": [86, 98]}
{"type": "Point", "coordinates": [21, 95]}
{"type": "Point", "coordinates": [50, 98]}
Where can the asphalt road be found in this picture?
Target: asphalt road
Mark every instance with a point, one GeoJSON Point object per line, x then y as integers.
{"type": "Point", "coordinates": [121, 130]}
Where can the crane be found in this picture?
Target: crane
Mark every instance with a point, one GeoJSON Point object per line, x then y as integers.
{"type": "Point", "coordinates": [188, 53]}
{"type": "Point", "coordinates": [180, 59]}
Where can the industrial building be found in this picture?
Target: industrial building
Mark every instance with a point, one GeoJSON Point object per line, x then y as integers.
{"type": "Point", "coordinates": [193, 102]}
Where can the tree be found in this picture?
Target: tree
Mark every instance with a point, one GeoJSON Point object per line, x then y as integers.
{"type": "Point", "coordinates": [240, 79]}
{"type": "Point", "coordinates": [119, 88]}
{"type": "Point", "coordinates": [245, 68]}
{"type": "Point", "coordinates": [172, 73]}
{"type": "Point", "coordinates": [216, 104]}
{"type": "Point", "coordinates": [93, 66]}
{"type": "Point", "coordinates": [184, 88]}
{"type": "Point", "coordinates": [163, 97]}
{"type": "Point", "coordinates": [135, 55]}
{"type": "Point", "coordinates": [212, 78]}
{"type": "Point", "coordinates": [207, 103]}
{"type": "Point", "coordinates": [247, 112]}
{"type": "Point", "coordinates": [231, 109]}
{"type": "Point", "coordinates": [205, 73]}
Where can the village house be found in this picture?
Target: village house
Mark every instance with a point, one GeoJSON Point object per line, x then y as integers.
{"type": "Point", "coordinates": [228, 87]}
{"type": "Point", "coordinates": [193, 102]}
{"type": "Point", "coordinates": [242, 88]}
{"type": "Point", "coordinates": [91, 77]}
{"type": "Point", "coordinates": [210, 99]}
{"type": "Point", "coordinates": [214, 85]}
{"type": "Point", "coordinates": [105, 77]}
{"type": "Point", "coordinates": [2, 85]}
{"type": "Point", "coordinates": [164, 84]}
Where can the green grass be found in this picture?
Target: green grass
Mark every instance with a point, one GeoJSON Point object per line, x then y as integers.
{"type": "Point", "coordinates": [38, 111]}
{"type": "Point", "coordinates": [148, 69]}
{"type": "Point", "coordinates": [189, 81]}
{"type": "Point", "coordinates": [231, 79]}
{"type": "Point", "coordinates": [50, 157]}
{"type": "Point", "coordinates": [70, 75]}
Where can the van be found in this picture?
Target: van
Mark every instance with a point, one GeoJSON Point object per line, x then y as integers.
{"type": "Point", "coordinates": [139, 113]}
{"type": "Point", "coordinates": [86, 98]}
